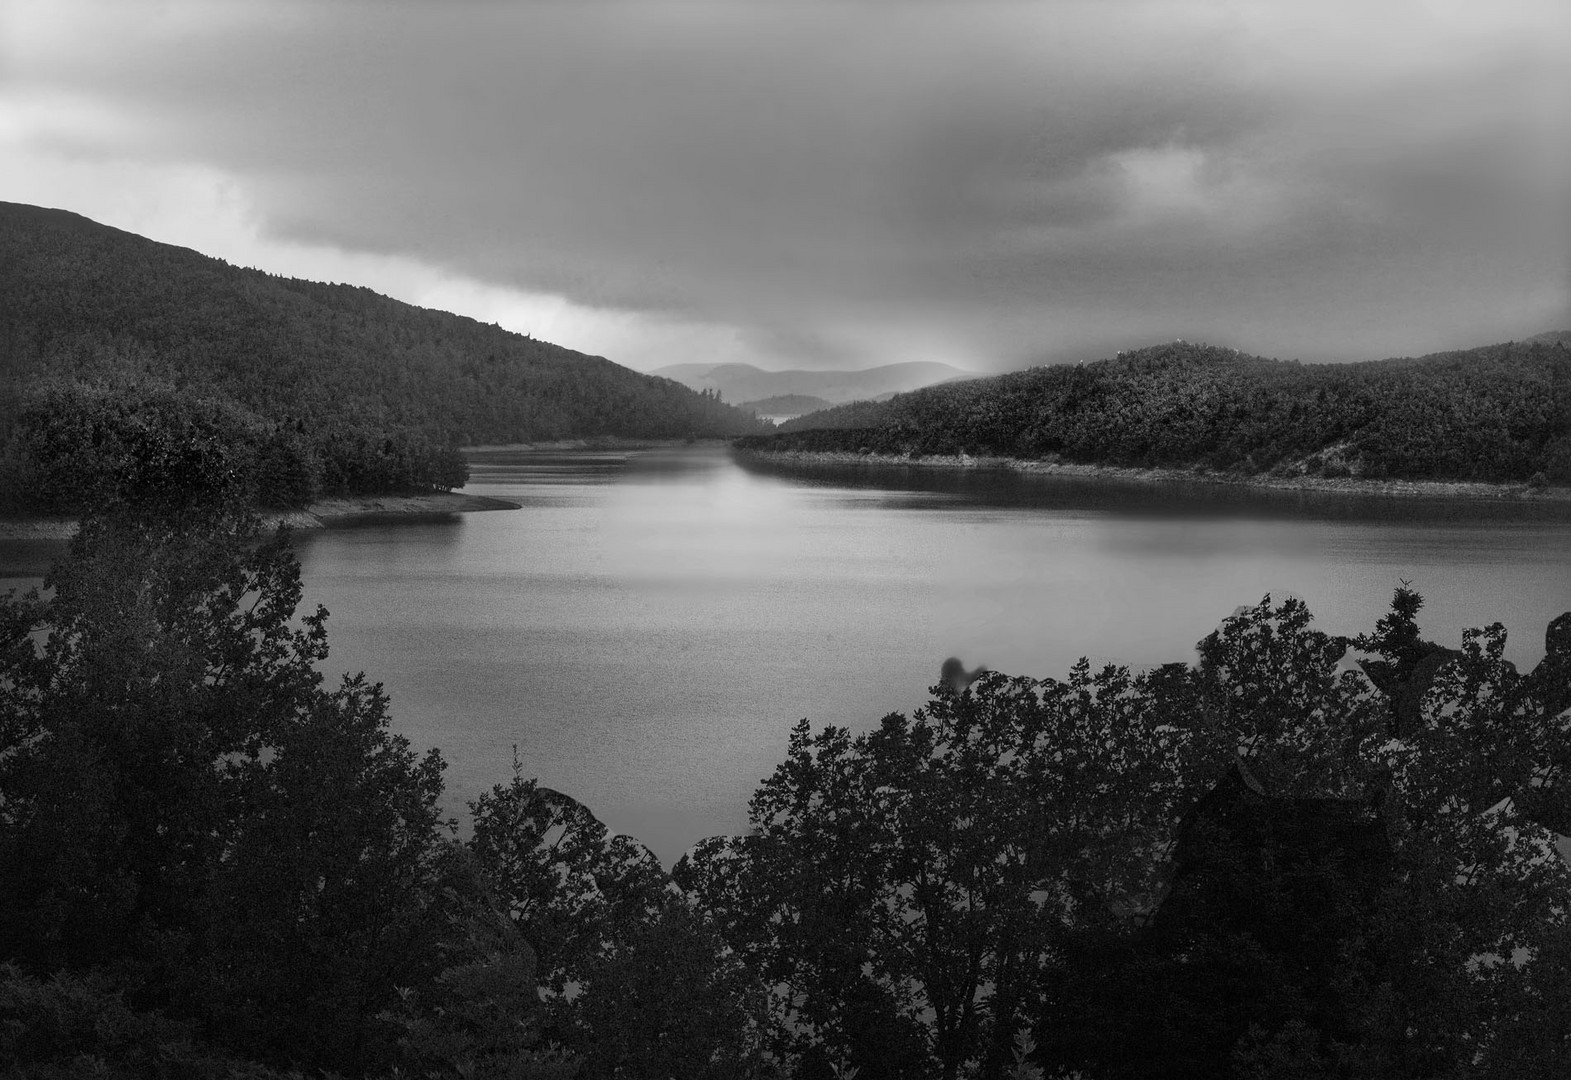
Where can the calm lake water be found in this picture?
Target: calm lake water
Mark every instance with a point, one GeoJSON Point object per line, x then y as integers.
{"type": "Point", "coordinates": [649, 626]}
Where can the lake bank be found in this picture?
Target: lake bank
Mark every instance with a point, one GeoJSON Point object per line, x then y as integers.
{"type": "Point", "coordinates": [322, 514]}
{"type": "Point", "coordinates": [1429, 489]}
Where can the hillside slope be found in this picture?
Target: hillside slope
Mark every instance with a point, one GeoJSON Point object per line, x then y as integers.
{"type": "Point", "coordinates": [786, 405]}
{"type": "Point", "coordinates": [344, 368]}
{"type": "Point", "coordinates": [1499, 413]}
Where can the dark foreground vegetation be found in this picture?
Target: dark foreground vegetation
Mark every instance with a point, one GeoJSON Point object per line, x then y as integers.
{"type": "Point", "coordinates": [310, 388]}
{"type": "Point", "coordinates": [1495, 414]}
{"type": "Point", "coordinates": [1302, 856]}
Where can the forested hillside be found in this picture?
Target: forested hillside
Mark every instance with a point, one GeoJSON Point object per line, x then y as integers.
{"type": "Point", "coordinates": [786, 405]}
{"type": "Point", "coordinates": [371, 392]}
{"type": "Point", "coordinates": [1499, 413]}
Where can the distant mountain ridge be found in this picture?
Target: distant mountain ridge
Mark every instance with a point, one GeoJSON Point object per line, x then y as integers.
{"type": "Point", "coordinates": [744, 382]}
{"type": "Point", "coordinates": [1500, 413]}
{"type": "Point", "coordinates": [370, 388]}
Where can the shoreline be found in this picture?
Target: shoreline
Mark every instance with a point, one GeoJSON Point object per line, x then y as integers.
{"type": "Point", "coordinates": [323, 514]}
{"type": "Point", "coordinates": [1431, 489]}
{"type": "Point", "coordinates": [326, 513]}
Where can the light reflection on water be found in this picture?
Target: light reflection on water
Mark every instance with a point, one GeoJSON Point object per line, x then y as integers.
{"type": "Point", "coordinates": [649, 626]}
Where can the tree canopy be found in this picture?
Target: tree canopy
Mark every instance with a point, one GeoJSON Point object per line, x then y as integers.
{"type": "Point", "coordinates": [1039, 853]}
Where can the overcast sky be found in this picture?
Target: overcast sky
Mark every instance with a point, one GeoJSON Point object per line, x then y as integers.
{"type": "Point", "coordinates": [790, 184]}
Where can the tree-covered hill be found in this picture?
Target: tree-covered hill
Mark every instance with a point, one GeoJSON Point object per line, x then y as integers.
{"type": "Point", "coordinates": [1498, 413]}
{"type": "Point", "coordinates": [345, 371]}
{"type": "Point", "coordinates": [786, 405]}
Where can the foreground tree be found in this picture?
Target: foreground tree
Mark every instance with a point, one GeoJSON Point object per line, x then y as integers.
{"type": "Point", "coordinates": [1390, 902]}
{"type": "Point", "coordinates": [69, 1026]}
{"type": "Point", "coordinates": [479, 1017]}
{"type": "Point", "coordinates": [918, 894]}
{"type": "Point", "coordinates": [634, 979]}
{"type": "Point", "coordinates": [185, 805]}
{"type": "Point", "coordinates": [903, 887]}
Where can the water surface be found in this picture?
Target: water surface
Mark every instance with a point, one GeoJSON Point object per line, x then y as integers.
{"type": "Point", "coordinates": [648, 627]}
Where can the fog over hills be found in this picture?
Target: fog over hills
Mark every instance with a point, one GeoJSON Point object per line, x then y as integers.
{"type": "Point", "coordinates": [746, 383]}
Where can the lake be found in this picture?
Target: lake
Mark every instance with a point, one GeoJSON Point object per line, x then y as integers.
{"type": "Point", "coordinates": [649, 626]}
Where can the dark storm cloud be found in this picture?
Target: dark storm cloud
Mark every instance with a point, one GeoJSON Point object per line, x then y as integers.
{"type": "Point", "coordinates": [858, 183]}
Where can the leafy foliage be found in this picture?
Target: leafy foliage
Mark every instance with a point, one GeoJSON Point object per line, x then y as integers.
{"type": "Point", "coordinates": [71, 1026]}
{"type": "Point", "coordinates": [615, 941]}
{"type": "Point", "coordinates": [920, 893]}
{"type": "Point", "coordinates": [478, 1018]}
{"type": "Point", "coordinates": [184, 804]}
